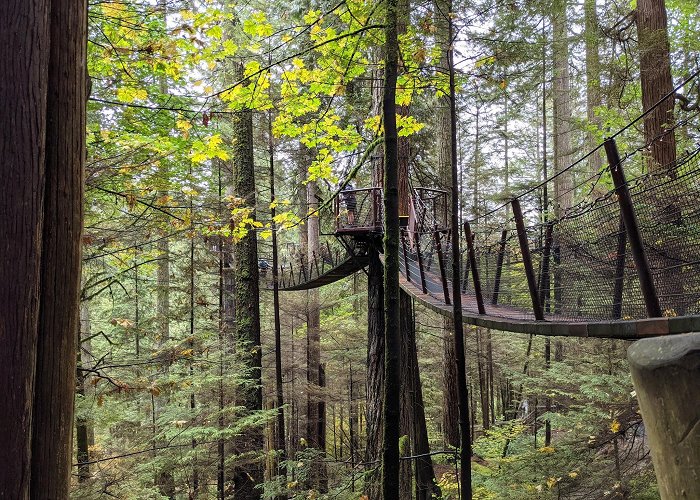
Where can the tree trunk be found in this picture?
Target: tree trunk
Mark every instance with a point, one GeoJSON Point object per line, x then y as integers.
{"type": "Point", "coordinates": [24, 38]}
{"type": "Point", "coordinates": [413, 407]}
{"type": "Point", "coordinates": [280, 443]}
{"type": "Point", "coordinates": [249, 471]}
{"type": "Point", "coordinates": [563, 194]}
{"type": "Point", "coordinates": [450, 409]}
{"type": "Point", "coordinates": [313, 342]}
{"type": "Point", "coordinates": [375, 371]}
{"type": "Point", "coordinates": [593, 93]}
{"type": "Point", "coordinates": [392, 346]}
{"type": "Point", "coordinates": [61, 251]}
{"type": "Point", "coordinates": [82, 425]}
{"type": "Point", "coordinates": [656, 80]}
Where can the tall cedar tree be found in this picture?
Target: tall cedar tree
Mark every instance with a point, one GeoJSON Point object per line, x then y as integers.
{"type": "Point", "coordinates": [392, 335]}
{"type": "Point", "coordinates": [655, 75]}
{"type": "Point", "coordinates": [465, 449]}
{"type": "Point", "coordinates": [247, 310]}
{"type": "Point", "coordinates": [52, 423]}
{"type": "Point", "coordinates": [43, 148]}
{"type": "Point", "coordinates": [24, 38]}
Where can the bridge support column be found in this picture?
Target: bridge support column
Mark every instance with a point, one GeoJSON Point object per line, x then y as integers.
{"type": "Point", "coordinates": [666, 375]}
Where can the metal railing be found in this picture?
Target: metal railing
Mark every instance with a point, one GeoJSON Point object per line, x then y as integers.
{"type": "Point", "coordinates": [359, 210]}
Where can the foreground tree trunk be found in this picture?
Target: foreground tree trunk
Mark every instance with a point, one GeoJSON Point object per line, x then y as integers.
{"type": "Point", "coordinates": [61, 252]}
{"type": "Point", "coordinates": [249, 468]}
{"type": "Point", "coordinates": [24, 42]}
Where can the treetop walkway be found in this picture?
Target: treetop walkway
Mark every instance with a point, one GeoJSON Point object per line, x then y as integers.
{"type": "Point", "coordinates": [609, 252]}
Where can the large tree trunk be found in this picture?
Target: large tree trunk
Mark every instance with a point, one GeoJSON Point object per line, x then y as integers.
{"type": "Point", "coordinates": [24, 38]}
{"type": "Point", "coordinates": [563, 194]}
{"type": "Point", "coordinates": [562, 115]}
{"type": "Point", "coordinates": [450, 409]}
{"type": "Point", "coordinates": [655, 74]}
{"type": "Point", "coordinates": [407, 420]}
{"type": "Point", "coordinates": [375, 371]}
{"type": "Point", "coordinates": [412, 405]}
{"type": "Point", "coordinates": [593, 92]}
{"type": "Point", "coordinates": [249, 471]}
{"type": "Point", "coordinates": [314, 425]}
{"type": "Point", "coordinates": [392, 336]}
{"type": "Point", "coordinates": [61, 251]}
{"type": "Point", "coordinates": [280, 441]}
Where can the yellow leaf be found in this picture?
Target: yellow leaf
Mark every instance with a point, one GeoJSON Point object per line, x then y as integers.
{"type": "Point", "coordinates": [615, 426]}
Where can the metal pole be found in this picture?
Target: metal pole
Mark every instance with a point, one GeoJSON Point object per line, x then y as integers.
{"type": "Point", "coordinates": [619, 270]}
{"type": "Point", "coordinates": [475, 269]}
{"type": "Point", "coordinates": [527, 259]}
{"type": "Point", "coordinates": [646, 281]}
{"type": "Point", "coordinates": [441, 262]}
{"type": "Point", "coordinates": [499, 266]}
{"type": "Point", "coordinates": [420, 263]}
{"type": "Point", "coordinates": [405, 256]}
{"type": "Point", "coordinates": [546, 253]}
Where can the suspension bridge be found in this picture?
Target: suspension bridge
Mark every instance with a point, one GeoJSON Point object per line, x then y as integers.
{"type": "Point", "coordinates": [613, 253]}
{"type": "Point", "coordinates": [622, 263]}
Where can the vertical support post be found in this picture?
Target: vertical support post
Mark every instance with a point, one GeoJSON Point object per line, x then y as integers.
{"type": "Point", "coordinates": [527, 259]}
{"type": "Point", "coordinates": [499, 266]}
{"type": "Point", "coordinates": [465, 279]}
{"type": "Point", "coordinates": [646, 282]}
{"type": "Point", "coordinates": [420, 263]}
{"type": "Point", "coordinates": [475, 270]}
{"type": "Point", "coordinates": [405, 255]}
{"type": "Point", "coordinates": [666, 376]}
{"type": "Point", "coordinates": [619, 270]}
{"type": "Point", "coordinates": [546, 254]}
{"type": "Point", "coordinates": [441, 263]}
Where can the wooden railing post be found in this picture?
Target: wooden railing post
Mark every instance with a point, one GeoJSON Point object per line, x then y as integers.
{"type": "Point", "coordinates": [475, 270]}
{"type": "Point", "coordinates": [499, 266]}
{"type": "Point", "coordinates": [619, 270]}
{"type": "Point", "coordinates": [646, 282]}
{"type": "Point", "coordinates": [441, 263]}
{"type": "Point", "coordinates": [527, 259]}
{"type": "Point", "coordinates": [666, 376]}
{"type": "Point", "coordinates": [302, 269]}
{"type": "Point", "coordinates": [405, 255]}
{"type": "Point", "coordinates": [416, 235]}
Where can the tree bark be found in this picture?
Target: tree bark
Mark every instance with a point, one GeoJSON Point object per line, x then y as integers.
{"type": "Point", "coordinates": [656, 80]}
{"type": "Point", "coordinates": [425, 486]}
{"type": "Point", "coordinates": [58, 326]}
{"type": "Point", "coordinates": [280, 441]}
{"type": "Point", "coordinates": [24, 38]}
{"type": "Point", "coordinates": [593, 92]}
{"type": "Point", "coordinates": [249, 471]}
{"type": "Point", "coordinates": [375, 371]}
{"type": "Point", "coordinates": [392, 346]}
{"type": "Point", "coordinates": [83, 427]}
